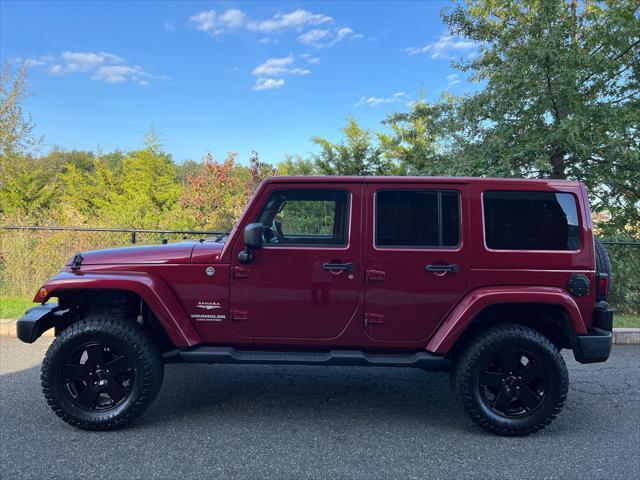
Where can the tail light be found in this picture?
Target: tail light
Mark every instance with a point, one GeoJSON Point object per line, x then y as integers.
{"type": "Point", "coordinates": [602, 286]}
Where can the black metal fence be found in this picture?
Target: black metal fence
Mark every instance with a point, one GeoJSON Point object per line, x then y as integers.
{"type": "Point", "coordinates": [133, 232]}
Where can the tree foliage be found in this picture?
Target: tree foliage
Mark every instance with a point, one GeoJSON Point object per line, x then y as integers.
{"type": "Point", "coordinates": [558, 97]}
{"type": "Point", "coordinates": [358, 154]}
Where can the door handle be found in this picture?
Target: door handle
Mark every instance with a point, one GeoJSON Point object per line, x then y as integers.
{"type": "Point", "coordinates": [349, 267]}
{"type": "Point", "coordinates": [453, 268]}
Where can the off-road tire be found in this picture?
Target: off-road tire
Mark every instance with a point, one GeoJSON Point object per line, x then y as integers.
{"type": "Point", "coordinates": [603, 263]}
{"type": "Point", "coordinates": [146, 361]}
{"type": "Point", "coordinates": [467, 368]}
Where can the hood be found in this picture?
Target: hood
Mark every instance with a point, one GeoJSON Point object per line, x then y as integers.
{"type": "Point", "coordinates": [157, 254]}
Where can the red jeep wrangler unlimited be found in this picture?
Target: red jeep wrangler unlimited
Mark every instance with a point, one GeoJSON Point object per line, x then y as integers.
{"type": "Point", "coordinates": [489, 278]}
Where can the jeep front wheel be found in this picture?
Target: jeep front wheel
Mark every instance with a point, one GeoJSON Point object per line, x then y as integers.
{"type": "Point", "coordinates": [101, 373]}
{"type": "Point", "coordinates": [511, 380]}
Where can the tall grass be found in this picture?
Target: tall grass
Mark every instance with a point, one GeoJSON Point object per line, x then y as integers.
{"type": "Point", "coordinates": [28, 258]}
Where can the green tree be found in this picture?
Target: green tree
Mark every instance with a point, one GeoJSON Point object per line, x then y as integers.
{"type": "Point", "coordinates": [415, 144]}
{"type": "Point", "coordinates": [16, 127]}
{"type": "Point", "coordinates": [296, 166]}
{"type": "Point", "coordinates": [558, 97]}
{"type": "Point", "coordinates": [25, 188]}
{"type": "Point", "coordinates": [358, 154]}
{"type": "Point", "coordinates": [146, 191]}
{"type": "Point", "coordinates": [87, 192]}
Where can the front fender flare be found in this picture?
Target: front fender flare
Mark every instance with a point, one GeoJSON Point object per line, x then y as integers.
{"type": "Point", "coordinates": [472, 304]}
{"type": "Point", "coordinates": [151, 288]}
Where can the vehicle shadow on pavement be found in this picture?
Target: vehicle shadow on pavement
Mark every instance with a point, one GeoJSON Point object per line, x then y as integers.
{"type": "Point", "coordinates": [269, 394]}
{"type": "Point", "coordinates": [322, 393]}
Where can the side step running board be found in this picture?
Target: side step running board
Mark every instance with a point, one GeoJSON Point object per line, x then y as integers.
{"type": "Point", "coordinates": [207, 354]}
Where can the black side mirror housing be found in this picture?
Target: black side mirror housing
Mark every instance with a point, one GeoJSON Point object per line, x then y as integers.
{"type": "Point", "coordinates": [252, 240]}
{"type": "Point", "coordinates": [253, 235]}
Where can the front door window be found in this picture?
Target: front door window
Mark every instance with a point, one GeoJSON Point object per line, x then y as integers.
{"type": "Point", "coordinates": [306, 217]}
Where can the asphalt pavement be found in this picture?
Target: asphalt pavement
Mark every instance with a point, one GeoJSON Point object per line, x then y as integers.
{"type": "Point", "coordinates": [280, 422]}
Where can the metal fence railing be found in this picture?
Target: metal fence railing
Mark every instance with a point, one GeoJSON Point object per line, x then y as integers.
{"type": "Point", "coordinates": [133, 232]}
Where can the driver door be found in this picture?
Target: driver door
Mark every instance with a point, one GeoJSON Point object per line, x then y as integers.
{"type": "Point", "coordinates": [303, 283]}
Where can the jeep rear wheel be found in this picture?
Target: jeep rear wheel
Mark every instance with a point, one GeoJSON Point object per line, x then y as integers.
{"type": "Point", "coordinates": [511, 380]}
{"type": "Point", "coordinates": [100, 373]}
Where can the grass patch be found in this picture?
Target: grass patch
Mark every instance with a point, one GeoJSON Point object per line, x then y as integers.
{"type": "Point", "coordinates": [14, 307]}
{"type": "Point", "coordinates": [623, 320]}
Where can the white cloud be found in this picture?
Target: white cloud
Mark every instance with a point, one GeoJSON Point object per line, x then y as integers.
{"type": "Point", "coordinates": [38, 61]}
{"type": "Point", "coordinates": [121, 74]}
{"type": "Point", "coordinates": [233, 18]}
{"type": "Point", "coordinates": [278, 66]}
{"type": "Point", "coordinates": [447, 46]}
{"type": "Point", "coordinates": [298, 19]}
{"type": "Point", "coordinates": [377, 101]}
{"type": "Point", "coordinates": [268, 83]}
{"type": "Point", "coordinates": [270, 72]}
{"type": "Point", "coordinates": [313, 37]}
{"type": "Point", "coordinates": [453, 79]}
{"type": "Point", "coordinates": [321, 38]}
{"type": "Point", "coordinates": [170, 25]}
{"type": "Point", "coordinates": [211, 22]}
{"type": "Point", "coordinates": [101, 66]}
{"type": "Point", "coordinates": [310, 59]}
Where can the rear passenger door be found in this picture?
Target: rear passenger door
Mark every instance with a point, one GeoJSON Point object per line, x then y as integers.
{"type": "Point", "coordinates": [417, 258]}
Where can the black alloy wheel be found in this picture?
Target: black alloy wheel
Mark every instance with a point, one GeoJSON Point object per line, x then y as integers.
{"type": "Point", "coordinates": [510, 379]}
{"type": "Point", "coordinates": [513, 383]}
{"type": "Point", "coordinates": [101, 373]}
{"type": "Point", "coordinates": [97, 376]}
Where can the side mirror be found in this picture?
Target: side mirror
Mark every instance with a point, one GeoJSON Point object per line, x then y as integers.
{"type": "Point", "coordinates": [252, 240]}
{"type": "Point", "coordinates": [253, 235]}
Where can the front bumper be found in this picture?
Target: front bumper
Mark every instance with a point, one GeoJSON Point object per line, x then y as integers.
{"type": "Point", "coordinates": [596, 346]}
{"type": "Point", "coordinates": [38, 320]}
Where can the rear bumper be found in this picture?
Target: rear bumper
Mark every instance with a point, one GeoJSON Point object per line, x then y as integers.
{"type": "Point", "coordinates": [596, 346]}
{"type": "Point", "coordinates": [38, 320]}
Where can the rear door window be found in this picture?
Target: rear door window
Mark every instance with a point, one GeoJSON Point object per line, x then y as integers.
{"type": "Point", "coordinates": [531, 221]}
{"type": "Point", "coordinates": [417, 218]}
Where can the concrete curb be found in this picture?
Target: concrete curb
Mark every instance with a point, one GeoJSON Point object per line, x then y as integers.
{"type": "Point", "coordinates": [626, 336]}
{"type": "Point", "coordinates": [8, 329]}
{"type": "Point", "coordinates": [621, 336]}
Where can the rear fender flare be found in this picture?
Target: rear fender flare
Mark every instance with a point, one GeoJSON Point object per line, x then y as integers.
{"type": "Point", "coordinates": [151, 288]}
{"type": "Point", "coordinates": [472, 304]}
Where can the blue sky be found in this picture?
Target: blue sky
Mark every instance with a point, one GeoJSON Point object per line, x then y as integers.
{"type": "Point", "coordinates": [225, 76]}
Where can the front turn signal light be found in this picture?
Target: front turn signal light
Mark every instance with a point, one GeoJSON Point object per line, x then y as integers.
{"type": "Point", "coordinates": [41, 295]}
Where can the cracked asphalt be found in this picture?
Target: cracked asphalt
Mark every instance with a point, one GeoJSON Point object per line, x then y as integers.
{"type": "Point", "coordinates": [319, 422]}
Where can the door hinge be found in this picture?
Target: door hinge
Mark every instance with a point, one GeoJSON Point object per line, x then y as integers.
{"type": "Point", "coordinates": [239, 315]}
{"type": "Point", "coordinates": [376, 275]}
{"type": "Point", "coordinates": [373, 319]}
{"type": "Point", "coordinates": [240, 272]}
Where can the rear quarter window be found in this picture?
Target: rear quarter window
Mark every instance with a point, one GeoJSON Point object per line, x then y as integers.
{"type": "Point", "coordinates": [531, 221]}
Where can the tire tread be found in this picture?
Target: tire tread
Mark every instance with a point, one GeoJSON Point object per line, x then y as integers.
{"type": "Point", "coordinates": [152, 370]}
{"type": "Point", "coordinates": [468, 360]}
